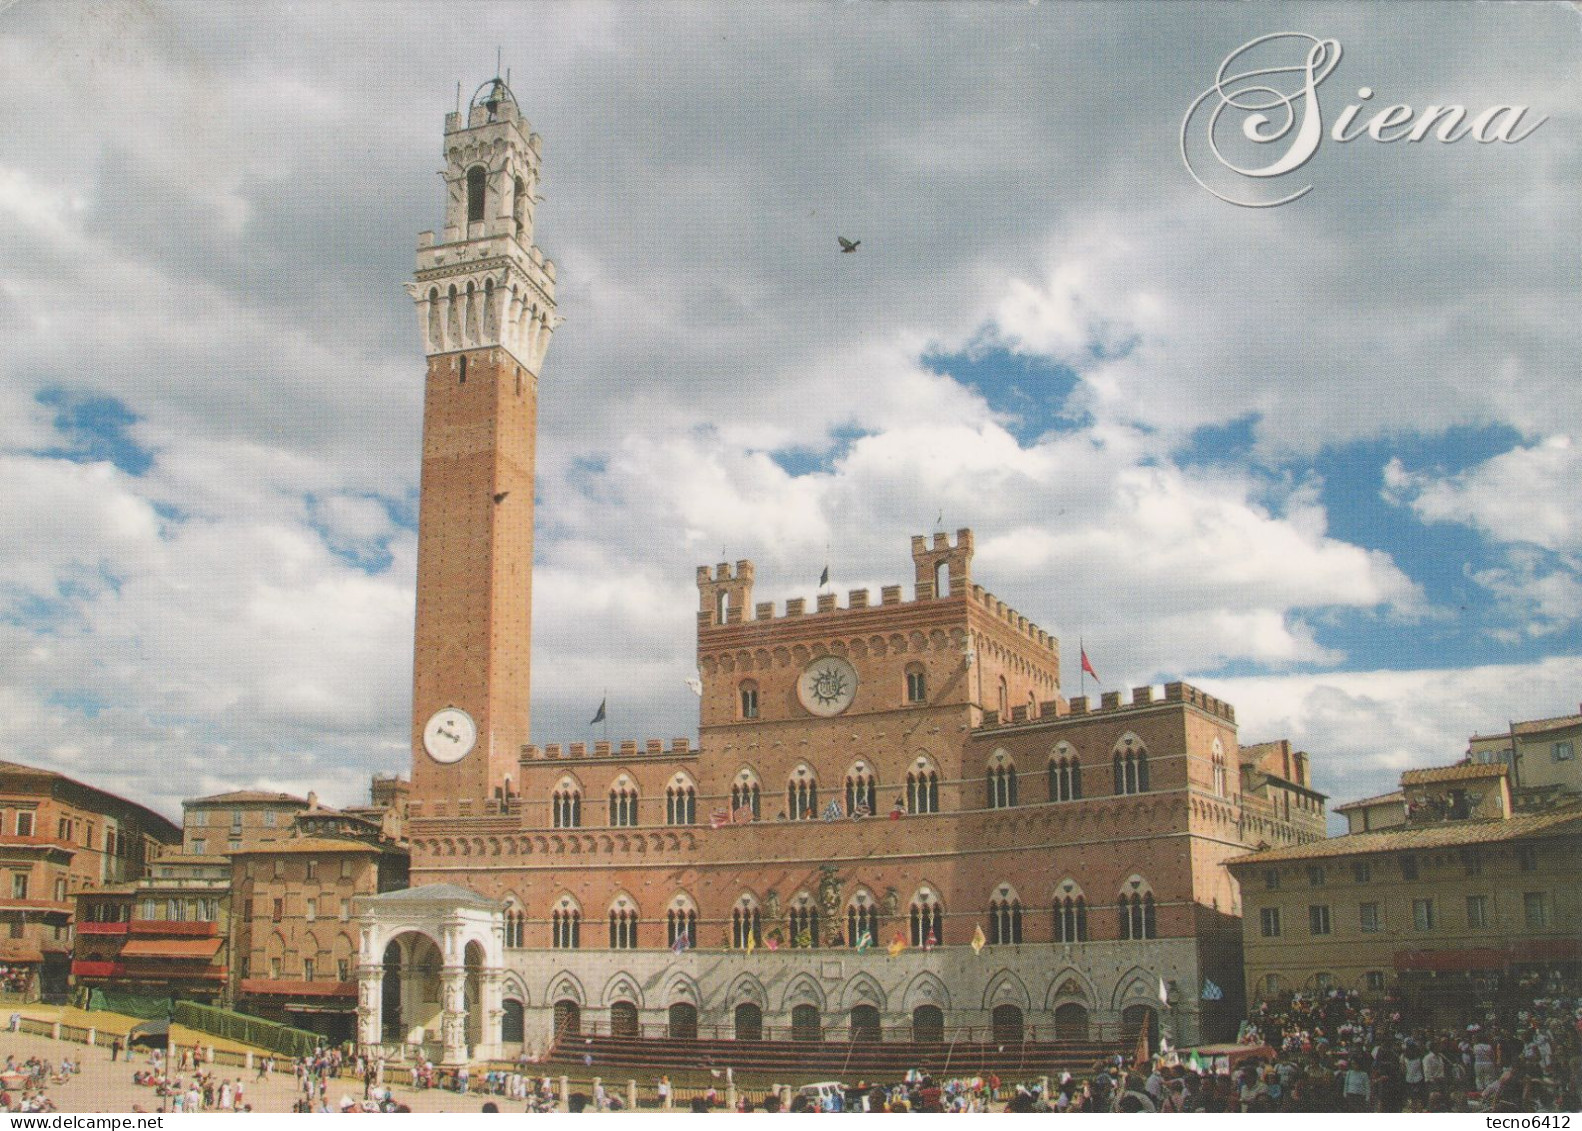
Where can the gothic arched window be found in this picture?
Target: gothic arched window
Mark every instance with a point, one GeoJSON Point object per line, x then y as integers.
{"type": "Point", "coordinates": [475, 182]}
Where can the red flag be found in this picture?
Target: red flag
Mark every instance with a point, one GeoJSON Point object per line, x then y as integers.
{"type": "Point", "coordinates": [1088, 667]}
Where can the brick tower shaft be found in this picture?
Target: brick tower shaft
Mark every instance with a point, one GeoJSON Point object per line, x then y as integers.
{"type": "Point", "coordinates": [486, 308]}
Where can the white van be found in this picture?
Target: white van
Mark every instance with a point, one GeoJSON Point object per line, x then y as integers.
{"type": "Point", "coordinates": [818, 1093]}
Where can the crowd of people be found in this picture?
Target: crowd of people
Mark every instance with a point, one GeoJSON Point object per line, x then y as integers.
{"type": "Point", "coordinates": [23, 1083]}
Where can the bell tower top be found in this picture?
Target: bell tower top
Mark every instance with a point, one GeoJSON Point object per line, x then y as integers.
{"type": "Point", "coordinates": [485, 283]}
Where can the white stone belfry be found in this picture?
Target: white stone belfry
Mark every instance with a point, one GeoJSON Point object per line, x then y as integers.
{"type": "Point", "coordinates": [486, 283]}
{"type": "Point", "coordinates": [435, 953]}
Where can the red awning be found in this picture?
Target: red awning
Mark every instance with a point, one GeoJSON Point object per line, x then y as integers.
{"type": "Point", "coordinates": [171, 948]}
{"type": "Point", "coordinates": [1473, 958]}
{"type": "Point", "coordinates": [1547, 950]}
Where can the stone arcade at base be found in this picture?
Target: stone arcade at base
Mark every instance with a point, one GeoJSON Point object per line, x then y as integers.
{"type": "Point", "coordinates": [894, 825]}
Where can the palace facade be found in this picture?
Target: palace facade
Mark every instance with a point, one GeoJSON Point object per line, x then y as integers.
{"type": "Point", "coordinates": [893, 825]}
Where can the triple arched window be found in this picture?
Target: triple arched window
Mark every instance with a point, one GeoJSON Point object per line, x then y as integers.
{"type": "Point", "coordinates": [566, 806]}
{"type": "Point", "coordinates": [747, 794]}
{"type": "Point", "coordinates": [746, 922]}
{"type": "Point", "coordinates": [862, 791]}
{"type": "Point", "coordinates": [565, 925]}
{"type": "Point", "coordinates": [681, 802]}
{"type": "Point", "coordinates": [926, 920]}
{"type": "Point", "coordinates": [1065, 774]}
{"type": "Point", "coordinates": [802, 795]}
{"type": "Point", "coordinates": [1005, 918]}
{"type": "Point", "coordinates": [623, 804]}
{"type": "Point", "coordinates": [922, 788]}
{"type": "Point", "coordinates": [1137, 916]}
{"type": "Point", "coordinates": [1071, 915]}
{"type": "Point", "coordinates": [862, 921]}
{"type": "Point", "coordinates": [623, 925]}
{"type": "Point", "coordinates": [681, 921]}
{"type": "Point", "coordinates": [803, 921]}
{"type": "Point", "coordinates": [1001, 781]}
{"type": "Point", "coordinates": [1131, 766]}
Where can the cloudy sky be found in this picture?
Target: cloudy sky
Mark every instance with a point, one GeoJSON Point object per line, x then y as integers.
{"type": "Point", "coordinates": [1322, 459]}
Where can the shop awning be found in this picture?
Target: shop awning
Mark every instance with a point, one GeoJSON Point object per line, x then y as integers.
{"type": "Point", "coordinates": [1472, 958]}
{"type": "Point", "coordinates": [20, 950]}
{"type": "Point", "coordinates": [171, 948]}
{"type": "Point", "coordinates": [1546, 950]}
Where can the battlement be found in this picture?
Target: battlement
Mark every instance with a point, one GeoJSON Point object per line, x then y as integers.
{"type": "Point", "coordinates": [1013, 619]}
{"type": "Point", "coordinates": [725, 595]}
{"type": "Point", "coordinates": [1110, 702]}
{"type": "Point", "coordinates": [626, 748]}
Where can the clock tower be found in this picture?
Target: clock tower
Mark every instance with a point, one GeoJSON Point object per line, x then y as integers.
{"type": "Point", "coordinates": [485, 299]}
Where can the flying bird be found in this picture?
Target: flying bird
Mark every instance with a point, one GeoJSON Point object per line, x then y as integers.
{"type": "Point", "coordinates": [500, 496]}
{"type": "Point", "coordinates": [847, 246]}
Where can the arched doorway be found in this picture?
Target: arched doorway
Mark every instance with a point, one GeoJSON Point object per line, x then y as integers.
{"type": "Point", "coordinates": [749, 1022]}
{"type": "Point", "coordinates": [865, 1024]}
{"type": "Point", "coordinates": [1071, 1022]}
{"type": "Point", "coordinates": [928, 1024]}
{"type": "Point", "coordinates": [473, 993]}
{"type": "Point", "coordinates": [390, 995]}
{"type": "Point", "coordinates": [410, 1005]}
{"type": "Point", "coordinates": [623, 1019]}
{"type": "Point", "coordinates": [512, 1027]}
{"type": "Point", "coordinates": [806, 1024]}
{"type": "Point", "coordinates": [1006, 1022]}
{"type": "Point", "coordinates": [1137, 1017]}
{"type": "Point", "coordinates": [568, 1019]}
{"type": "Point", "coordinates": [683, 1021]}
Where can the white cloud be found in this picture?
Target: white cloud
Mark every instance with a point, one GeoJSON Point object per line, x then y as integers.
{"type": "Point", "coordinates": [1364, 728]}
{"type": "Point", "coordinates": [1530, 494]}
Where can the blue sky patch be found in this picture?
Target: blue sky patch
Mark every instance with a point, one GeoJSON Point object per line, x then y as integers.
{"type": "Point", "coordinates": [1028, 392]}
{"type": "Point", "coordinates": [800, 461]}
{"type": "Point", "coordinates": [95, 429]}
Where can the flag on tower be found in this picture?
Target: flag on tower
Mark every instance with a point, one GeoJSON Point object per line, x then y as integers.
{"type": "Point", "coordinates": [897, 944]}
{"type": "Point", "coordinates": [804, 938]}
{"type": "Point", "coordinates": [864, 941]}
{"type": "Point", "coordinates": [832, 811]}
{"type": "Point", "coordinates": [681, 943]}
{"type": "Point", "coordinates": [719, 818]}
{"type": "Point", "coordinates": [743, 815]}
{"type": "Point", "coordinates": [823, 578]}
{"type": "Point", "coordinates": [598, 716]}
{"type": "Point", "coordinates": [978, 941]}
{"type": "Point", "coordinates": [1087, 666]}
{"type": "Point", "coordinates": [1211, 992]}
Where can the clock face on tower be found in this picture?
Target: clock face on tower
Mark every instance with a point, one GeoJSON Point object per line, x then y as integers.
{"type": "Point", "coordinates": [827, 686]}
{"type": "Point", "coordinates": [450, 735]}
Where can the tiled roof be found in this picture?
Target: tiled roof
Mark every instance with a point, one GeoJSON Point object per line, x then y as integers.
{"type": "Point", "coordinates": [307, 844]}
{"type": "Point", "coordinates": [1538, 726]}
{"type": "Point", "coordinates": [435, 893]}
{"type": "Point", "coordinates": [247, 796]}
{"type": "Point", "coordinates": [1462, 772]}
{"type": "Point", "coordinates": [1533, 726]}
{"type": "Point", "coordinates": [1397, 795]}
{"type": "Point", "coordinates": [1411, 838]}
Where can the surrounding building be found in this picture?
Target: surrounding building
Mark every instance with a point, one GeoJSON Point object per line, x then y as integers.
{"type": "Point", "coordinates": [165, 935]}
{"type": "Point", "coordinates": [893, 822]}
{"type": "Point", "coordinates": [1460, 906]}
{"type": "Point", "coordinates": [226, 823]}
{"type": "Point", "coordinates": [295, 938]}
{"type": "Point", "coordinates": [1542, 756]}
{"type": "Point", "coordinates": [58, 837]}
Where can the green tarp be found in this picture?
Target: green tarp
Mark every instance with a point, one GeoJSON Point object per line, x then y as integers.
{"type": "Point", "coordinates": [131, 1004]}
